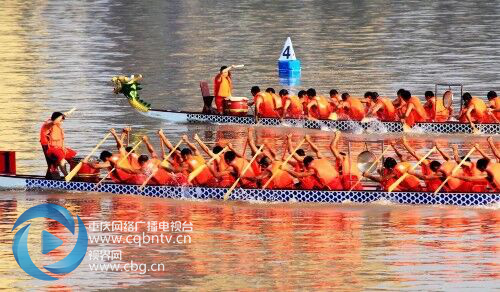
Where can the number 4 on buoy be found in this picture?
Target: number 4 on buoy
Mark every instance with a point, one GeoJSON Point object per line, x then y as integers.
{"type": "Point", "coordinates": [287, 53]}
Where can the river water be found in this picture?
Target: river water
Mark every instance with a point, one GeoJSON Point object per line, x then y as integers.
{"type": "Point", "coordinates": [60, 54]}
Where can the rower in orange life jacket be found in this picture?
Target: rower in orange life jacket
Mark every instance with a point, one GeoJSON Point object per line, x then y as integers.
{"type": "Point", "coordinates": [306, 182]}
{"type": "Point", "coordinates": [161, 171]}
{"type": "Point", "coordinates": [236, 165]}
{"type": "Point", "coordinates": [353, 107]}
{"type": "Point", "coordinates": [350, 174]}
{"type": "Point", "coordinates": [265, 106]}
{"type": "Point", "coordinates": [392, 171]}
{"type": "Point", "coordinates": [383, 108]}
{"type": "Point", "coordinates": [219, 165]}
{"type": "Point", "coordinates": [494, 107]}
{"type": "Point", "coordinates": [278, 102]}
{"type": "Point", "coordinates": [223, 87]}
{"type": "Point", "coordinates": [435, 109]}
{"type": "Point", "coordinates": [489, 171]}
{"type": "Point", "coordinates": [57, 150]}
{"type": "Point", "coordinates": [281, 179]}
{"type": "Point", "coordinates": [335, 101]}
{"type": "Point", "coordinates": [192, 160]}
{"type": "Point", "coordinates": [292, 105]}
{"type": "Point", "coordinates": [413, 111]}
{"type": "Point", "coordinates": [322, 170]}
{"type": "Point", "coordinates": [474, 110]}
{"type": "Point", "coordinates": [318, 107]}
{"type": "Point", "coordinates": [305, 101]}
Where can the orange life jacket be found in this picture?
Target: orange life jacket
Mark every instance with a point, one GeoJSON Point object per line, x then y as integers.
{"type": "Point", "coordinates": [281, 180]}
{"type": "Point", "coordinates": [453, 184]}
{"type": "Point", "coordinates": [418, 114]}
{"type": "Point", "coordinates": [387, 111]}
{"type": "Point", "coordinates": [205, 178]}
{"type": "Point", "coordinates": [295, 108]}
{"type": "Point", "coordinates": [436, 111]}
{"type": "Point", "coordinates": [223, 85]}
{"type": "Point", "coordinates": [240, 164]}
{"type": "Point", "coordinates": [267, 107]}
{"type": "Point", "coordinates": [326, 173]}
{"type": "Point", "coordinates": [119, 175]}
{"type": "Point", "coordinates": [225, 180]}
{"type": "Point", "coordinates": [323, 109]}
{"type": "Point", "coordinates": [433, 184]}
{"type": "Point", "coordinates": [411, 182]}
{"type": "Point", "coordinates": [350, 174]}
{"type": "Point", "coordinates": [55, 136]}
{"type": "Point", "coordinates": [356, 111]}
{"type": "Point", "coordinates": [479, 114]}
{"type": "Point", "coordinates": [495, 104]}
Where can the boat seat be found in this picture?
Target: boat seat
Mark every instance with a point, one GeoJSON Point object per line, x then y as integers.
{"type": "Point", "coordinates": [207, 98]}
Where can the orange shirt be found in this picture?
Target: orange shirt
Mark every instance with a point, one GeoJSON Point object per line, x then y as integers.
{"type": "Point", "coordinates": [479, 114]}
{"type": "Point", "coordinates": [295, 108]}
{"type": "Point", "coordinates": [223, 85]}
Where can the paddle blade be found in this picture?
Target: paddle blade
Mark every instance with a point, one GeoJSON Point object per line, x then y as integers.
{"type": "Point", "coordinates": [196, 172]}
{"type": "Point", "coordinates": [226, 195]}
{"type": "Point", "coordinates": [73, 172]}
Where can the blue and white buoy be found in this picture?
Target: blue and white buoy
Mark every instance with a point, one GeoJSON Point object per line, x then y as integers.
{"type": "Point", "coordinates": [288, 65]}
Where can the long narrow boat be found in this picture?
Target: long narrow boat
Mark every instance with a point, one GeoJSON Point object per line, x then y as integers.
{"type": "Point", "coordinates": [173, 192]}
{"type": "Point", "coordinates": [344, 126]}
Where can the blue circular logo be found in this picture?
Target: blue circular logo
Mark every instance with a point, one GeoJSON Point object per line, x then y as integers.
{"type": "Point", "coordinates": [49, 242]}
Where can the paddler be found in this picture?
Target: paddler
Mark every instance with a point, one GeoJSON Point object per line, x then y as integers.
{"type": "Point", "coordinates": [219, 165]}
{"type": "Point", "coordinates": [278, 102]}
{"type": "Point", "coordinates": [292, 105]}
{"type": "Point", "coordinates": [319, 107]}
{"type": "Point", "coordinates": [236, 165]}
{"type": "Point", "coordinates": [335, 101]}
{"type": "Point", "coordinates": [122, 172]}
{"type": "Point", "coordinates": [56, 149]}
{"type": "Point", "coordinates": [223, 87]}
{"type": "Point", "coordinates": [469, 168]}
{"type": "Point", "coordinates": [383, 108]}
{"type": "Point", "coordinates": [392, 171]}
{"type": "Point", "coordinates": [474, 111]}
{"type": "Point", "coordinates": [281, 179]}
{"type": "Point", "coordinates": [302, 94]}
{"type": "Point", "coordinates": [494, 107]}
{"type": "Point", "coordinates": [192, 160]}
{"type": "Point", "coordinates": [162, 175]}
{"type": "Point", "coordinates": [412, 109]}
{"type": "Point", "coordinates": [265, 106]}
{"type": "Point", "coordinates": [320, 169]}
{"type": "Point", "coordinates": [352, 107]}
{"type": "Point", "coordinates": [434, 107]}
{"type": "Point", "coordinates": [348, 169]}
{"type": "Point", "coordinates": [489, 171]}
{"type": "Point", "coordinates": [308, 182]}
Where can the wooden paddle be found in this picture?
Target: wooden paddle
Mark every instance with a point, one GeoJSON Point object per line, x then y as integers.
{"type": "Point", "coordinates": [119, 161]}
{"type": "Point", "coordinates": [69, 112]}
{"type": "Point", "coordinates": [228, 193]}
{"type": "Point", "coordinates": [401, 178]}
{"type": "Point", "coordinates": [199, 169]}
{"type": "Point", "coordinates": [164, 160]}
{"type": "Point", "coordinates": [75, 170]}
{"type": "Point", "coordinates": [284, 163]}
{"type": "Point", "coordinates": [455, 170]}
{"type": "Point", "coordinates": [370, 168]}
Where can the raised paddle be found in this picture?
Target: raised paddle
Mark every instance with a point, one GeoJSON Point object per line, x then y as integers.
{"type": "Point", "coordinates": [284, 163]}
{"type": "Point", "coordinates": [455, 170]}
{"type": "Point", "coordinates": [370, 168]}
{"type": "Point", "coordinates": [401, 178]}
{"type": "Point", "coordinates": [69, 112]}
{"type": "Point", "coordinates": [199, 169]}
{"type": "Point", "coordinates": [164, 160]}
{"type": "Point", "coordinates": [122, 159]}
{"type": "Point", "coordinates": [75, 170]}
{"type": "Point", "coordinates": [228, 193]}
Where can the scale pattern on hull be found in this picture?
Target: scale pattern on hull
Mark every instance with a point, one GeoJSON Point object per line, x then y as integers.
{"type": "Point", "coordinates": [346, 126]}
{"type": "Point", "coordinates": [413, 198]}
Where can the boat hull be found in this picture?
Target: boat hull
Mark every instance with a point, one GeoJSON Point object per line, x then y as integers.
{"type": "Point", "coordinates": [172, 192]}
{"type": "Point", "coordinates": [344, 126]}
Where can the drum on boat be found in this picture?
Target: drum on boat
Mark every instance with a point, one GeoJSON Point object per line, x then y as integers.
{"type": "Point", "coordinates": [236, 106]}
{"type": "Point", "coordinates": [86, 172]}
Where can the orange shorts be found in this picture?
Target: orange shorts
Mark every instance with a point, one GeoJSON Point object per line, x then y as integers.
{"type": "Point", "coordinates": [58, 154]}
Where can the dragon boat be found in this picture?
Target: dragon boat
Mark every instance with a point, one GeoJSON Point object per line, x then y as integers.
{"type": "Point", "coordinates": [129, 87]}
{"type": "Point", "coordinates": [30, 182]}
